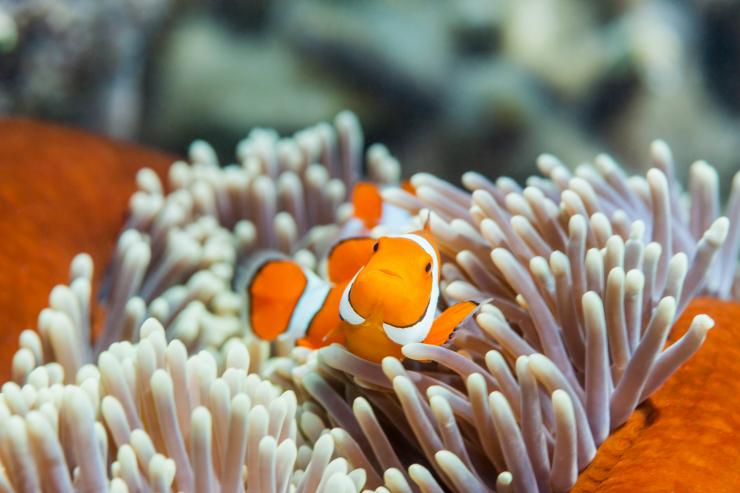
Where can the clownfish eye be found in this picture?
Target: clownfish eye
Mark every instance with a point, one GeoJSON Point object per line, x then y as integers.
{"type": "Point", "coordinates": [375, 246]}
{"type": "Point", "coordinates": [428, 267]}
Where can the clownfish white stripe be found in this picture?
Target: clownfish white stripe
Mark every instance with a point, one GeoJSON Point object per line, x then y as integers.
{"type": "Point", "coordinates": [311, 301]}
{"type": "Point", "coordinates": [346, 310]}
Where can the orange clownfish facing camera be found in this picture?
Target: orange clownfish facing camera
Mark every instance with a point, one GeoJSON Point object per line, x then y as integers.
{"type": "Point", "coordinates": [380, 295]}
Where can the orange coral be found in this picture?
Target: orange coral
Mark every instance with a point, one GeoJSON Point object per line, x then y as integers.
{"type": "Point", "coordinates": [61, 192]}
{"type": "Point", "coordinates": [685, 438]}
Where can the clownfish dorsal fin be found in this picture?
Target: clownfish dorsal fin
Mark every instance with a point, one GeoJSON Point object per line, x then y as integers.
{"type": "Point", "coordinates": [281, 296]}
{"type": "Point", "coordinates": [448, 321]}
{"type": "Point", "coordinates": [367, 203]}
{"type": "Point", "coordinates": [348, 256]}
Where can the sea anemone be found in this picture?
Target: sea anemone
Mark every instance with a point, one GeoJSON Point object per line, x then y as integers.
{"type": "Point", "coordinates": [165, 418]}
{"type": "Point", "coordinates": [576, 301]}
{"type": "Point", "coordinates": [580, 279]}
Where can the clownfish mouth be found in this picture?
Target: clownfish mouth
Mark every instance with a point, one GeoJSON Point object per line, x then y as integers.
{"type": "Point", "coordinates": [389, 273]}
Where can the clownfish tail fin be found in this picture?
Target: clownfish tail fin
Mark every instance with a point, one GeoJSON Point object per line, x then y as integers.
{"type": "Point", "coordinates": [448, 321]}
{"type": "Point", "coordinates": [273, 288]}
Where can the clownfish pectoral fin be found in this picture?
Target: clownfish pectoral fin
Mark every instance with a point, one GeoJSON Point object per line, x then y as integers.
{"type": "Point", "coordinates": [348, 256]}
{"type": "Point", "coordinates": [448, 321]}
{"type": "Point", "coordinates": [309, 343]}
{"type": "Point", "coordinates": [281, 297]}
{"type": "Point", "coordinates": [367, 203]}
{"type": "Point", "coordinates": [316, 339]}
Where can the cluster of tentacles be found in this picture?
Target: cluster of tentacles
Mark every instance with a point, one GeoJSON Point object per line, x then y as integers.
{"type": "Point", "coordinates": [580, 278]}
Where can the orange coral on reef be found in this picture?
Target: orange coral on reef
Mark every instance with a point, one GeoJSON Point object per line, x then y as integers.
{"type": "Point", "coordinates": [61, 191]}
{"type": "Point", "coordinates": [685, 437]}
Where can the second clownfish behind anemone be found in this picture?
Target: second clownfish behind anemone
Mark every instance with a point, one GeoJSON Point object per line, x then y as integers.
{"type": "Point", "coordinates": [380, 295]}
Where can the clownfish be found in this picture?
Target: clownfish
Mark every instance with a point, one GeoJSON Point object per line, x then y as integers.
{"type": "Point", "coordinates": [380, 295]}
{"type": "Point", "coordinates": [370, 210]}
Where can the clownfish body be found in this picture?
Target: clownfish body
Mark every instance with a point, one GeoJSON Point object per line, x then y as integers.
{"type": "Point", "coordinates": [380, 295]}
